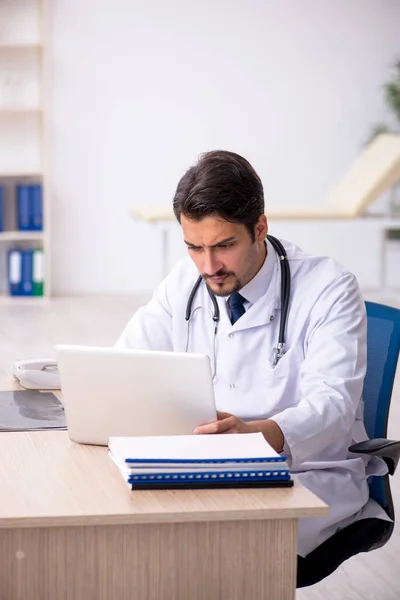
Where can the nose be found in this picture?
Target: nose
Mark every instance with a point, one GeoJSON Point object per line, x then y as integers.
{"type": "Point", "coordinates": [211, 263]}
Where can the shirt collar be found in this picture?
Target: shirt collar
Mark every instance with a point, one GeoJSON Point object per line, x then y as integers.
{"type": "Point", "coordinates": [258, 286]}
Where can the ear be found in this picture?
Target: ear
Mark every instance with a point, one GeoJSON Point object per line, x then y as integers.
{"type": "Point", "coordinates": [261, 228]}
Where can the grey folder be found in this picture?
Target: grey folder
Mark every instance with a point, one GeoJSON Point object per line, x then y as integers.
{"type": "Point", "coordinates": [30, 410]}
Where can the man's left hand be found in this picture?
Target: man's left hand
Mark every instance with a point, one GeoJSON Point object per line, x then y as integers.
{"type": "Point", "coordinates": [226, 423]}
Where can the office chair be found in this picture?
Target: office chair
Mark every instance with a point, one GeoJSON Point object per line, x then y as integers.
{"type": "Point", "coordinates": [383, 346]}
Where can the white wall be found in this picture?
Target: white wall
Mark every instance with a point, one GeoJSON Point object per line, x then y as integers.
{"type": "Point", "coordinates": [142, 87]}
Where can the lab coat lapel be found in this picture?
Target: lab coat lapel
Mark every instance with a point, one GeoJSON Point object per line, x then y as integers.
{"type": "Point", "coordinates": [260, 313]}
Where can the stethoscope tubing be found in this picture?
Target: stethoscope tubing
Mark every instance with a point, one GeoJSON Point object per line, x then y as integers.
{"type": "Point", "coordinates": [279, 350]}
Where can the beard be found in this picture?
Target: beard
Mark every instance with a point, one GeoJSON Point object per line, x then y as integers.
{"type": "Point", "coordinates": [226, 287]}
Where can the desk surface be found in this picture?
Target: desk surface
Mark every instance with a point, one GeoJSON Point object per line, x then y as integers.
{"type": "Point", "coordinates": [47, 480]}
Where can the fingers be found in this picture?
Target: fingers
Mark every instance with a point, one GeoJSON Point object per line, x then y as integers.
{"type": "Point", "coordinates": [223, 415]}
{"type": "Point", "coordinates": [222, 426]}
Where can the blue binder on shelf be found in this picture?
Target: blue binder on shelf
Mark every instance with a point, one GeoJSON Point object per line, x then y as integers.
{"type": "Point", "coordinates": [199, 462]}
{"type": "Point", "coordinates": [24, 207]}
{"type": "Point", "coordinates": [20, 272]}
{"type": "Point", "coordinates": [1, 208]}
{"type": "Point", "coordinates": [14, 272]}
{"type": "Point", "coordinates": [27, 273]}
{"type": "Point", "coordinates": [36, 207]}
{"type": "Point", "coordinates": [30, 207]}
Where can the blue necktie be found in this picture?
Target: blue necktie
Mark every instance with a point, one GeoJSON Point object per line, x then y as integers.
{"type": "Point", "coordinates": [236, 305]}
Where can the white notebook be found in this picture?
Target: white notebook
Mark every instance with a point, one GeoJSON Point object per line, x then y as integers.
{"type": "Point", "coordinates": [234, 460]}
{"type": "Point", "coordinates": [248, 447]}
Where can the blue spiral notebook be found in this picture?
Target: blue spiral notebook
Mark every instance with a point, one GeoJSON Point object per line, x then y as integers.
{"type": "Point", "coordinates": [234, 460]}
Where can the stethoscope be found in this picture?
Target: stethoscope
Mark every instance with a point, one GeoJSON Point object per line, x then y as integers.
{"type": "Point", "coordinates": [279, 350]}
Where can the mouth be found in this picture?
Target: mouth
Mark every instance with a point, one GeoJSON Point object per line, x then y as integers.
{"type": "Point", "coordinates": [219, 279]}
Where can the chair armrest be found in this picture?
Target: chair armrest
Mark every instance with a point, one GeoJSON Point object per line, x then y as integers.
{"type": "Point", "coordinates": [389, 450]}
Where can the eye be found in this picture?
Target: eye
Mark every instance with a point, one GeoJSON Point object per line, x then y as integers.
{"type": "Point", "coordinates": [194, 249]}
{"type": "Point", "coordinates": [225, 246]}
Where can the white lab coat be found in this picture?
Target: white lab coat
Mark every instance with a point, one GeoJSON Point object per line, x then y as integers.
{"type": "Point", "coordinates": [313, 393]}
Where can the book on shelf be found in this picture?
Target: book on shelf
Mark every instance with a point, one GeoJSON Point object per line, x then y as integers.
{"type": "Point", "coordinates": [29, 207]}
{"type": "Point", "coordinates": [1, 208]}
{"type": "Point", "coordinates": [25, 272]}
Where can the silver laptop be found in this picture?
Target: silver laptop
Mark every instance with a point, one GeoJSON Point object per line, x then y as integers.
{"type": "Point", "coordinates": [112, 392]}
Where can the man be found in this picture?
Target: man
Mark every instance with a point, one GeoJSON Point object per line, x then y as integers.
{"type": "Point", "coordinates": [308, 405]}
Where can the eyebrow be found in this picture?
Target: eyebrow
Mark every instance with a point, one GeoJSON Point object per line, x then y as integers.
{"type": "Point", "coordinates": [220, 243]}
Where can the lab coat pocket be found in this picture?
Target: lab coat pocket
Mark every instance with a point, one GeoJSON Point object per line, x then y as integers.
{"type": "Point", "coordinates": [286, 369]}
{"type": "Point", "coordinates": [283, 380]}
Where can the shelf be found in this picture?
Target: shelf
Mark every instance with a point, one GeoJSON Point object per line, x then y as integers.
{"type": "Point", "coordinates": [22, 300]}
{"type": "Point", "coordinates": [22, 46]}
{"type": "Point", "coordinates": [21, 173]}
{"type": "Point", "coordinates": [21, 236]}
{"type": "Point", "coordinates": [20, 111]}
{"type": "Point", "coordinates": [24, 101]}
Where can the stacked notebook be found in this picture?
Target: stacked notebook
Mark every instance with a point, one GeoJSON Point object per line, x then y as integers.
{"type": "Point", "coordinates": [233, 460]}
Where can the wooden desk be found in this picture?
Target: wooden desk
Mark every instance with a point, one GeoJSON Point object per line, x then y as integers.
{"type": "Point", "coordinates": [72, 529]}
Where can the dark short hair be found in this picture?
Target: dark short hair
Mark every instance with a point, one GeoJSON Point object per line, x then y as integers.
{"type": "Point", "coordinates": [221, 184]}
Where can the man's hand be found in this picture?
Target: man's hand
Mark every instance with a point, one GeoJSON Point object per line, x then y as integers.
{"type": "Point", "coordinates": [227, 423]}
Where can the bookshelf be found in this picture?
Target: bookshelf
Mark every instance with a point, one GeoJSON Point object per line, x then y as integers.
{"type": "Point", "coordinates": [23, 137]}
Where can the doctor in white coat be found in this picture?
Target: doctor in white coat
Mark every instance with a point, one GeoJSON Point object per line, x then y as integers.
{"type": "Point", "coordinates": [309, 405]}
